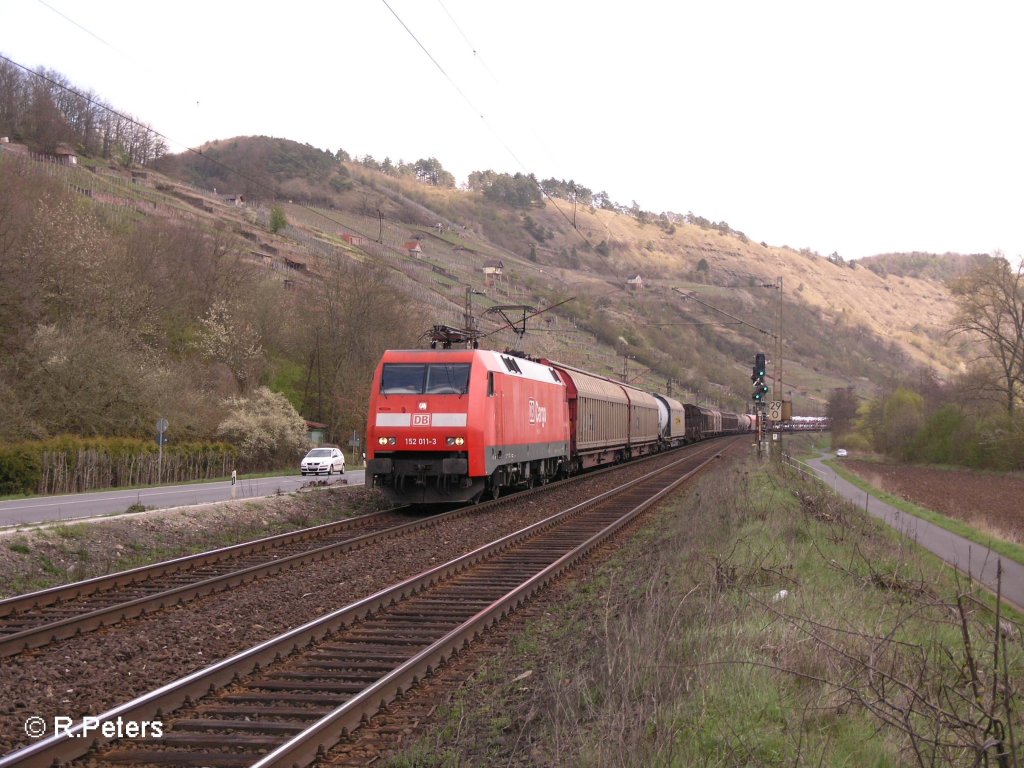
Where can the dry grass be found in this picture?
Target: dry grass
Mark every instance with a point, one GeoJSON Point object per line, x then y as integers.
{"type": "Point", "coordinates": [750, 626]}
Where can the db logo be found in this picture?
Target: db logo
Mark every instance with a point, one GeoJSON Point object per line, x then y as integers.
{"type": "Point", "coordinates": [421, 419]}
{"type": "Point", "coordinates": [538, 413]}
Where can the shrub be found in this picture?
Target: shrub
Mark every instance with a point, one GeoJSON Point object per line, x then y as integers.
{"type": "Point", "coordinates": [265, 427]}
{"type": "Point", "coordinates": [278, 220]}
{"type": "Point", "coordinates": [19, 470]}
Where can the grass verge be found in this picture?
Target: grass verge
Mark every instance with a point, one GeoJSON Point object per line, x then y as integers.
{"type": "Point", "coordinates": [757, 621]}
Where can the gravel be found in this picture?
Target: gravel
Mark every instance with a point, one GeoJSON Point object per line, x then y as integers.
{"type": "Point", "coordinates": [90, 674]}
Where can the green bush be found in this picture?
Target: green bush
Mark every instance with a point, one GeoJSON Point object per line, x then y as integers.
{"type": "Point", "coordinates": [941, 438]}
{"type": "Point", "coordinates": [19, 469]}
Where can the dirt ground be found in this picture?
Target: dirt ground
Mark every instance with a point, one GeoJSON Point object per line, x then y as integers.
{"type": "Point", "coordinates": [990, 502]}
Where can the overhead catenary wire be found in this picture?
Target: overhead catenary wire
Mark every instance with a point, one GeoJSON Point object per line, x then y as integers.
{"type": "Point", "coordinates": [198, 152]}
{"type": "Point", "coordinates": [89, 32]}
{"type": "Point", "coordinates": [256, 182]}
{"type": "Point", "coordinates": [262, 186]}
{"type": "Point", "coordinates": [483, 118]}
{"type": "Point", "coordinates": [476, 54]}
{"type": "Point", "coordinates": [206, 157]}
{"type": "Point", "coordinates": [738, 320]}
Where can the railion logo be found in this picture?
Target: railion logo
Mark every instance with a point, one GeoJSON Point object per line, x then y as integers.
{"type": "Point", "coordinates": [421, 419]}
{"type": "Point", "coordinates": [538, 413]}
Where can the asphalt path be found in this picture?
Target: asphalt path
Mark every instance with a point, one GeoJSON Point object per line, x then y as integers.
{"type": "Point", "coordinates": [980, 562]}
{"type": "Point", "coordinates": [75, 506]}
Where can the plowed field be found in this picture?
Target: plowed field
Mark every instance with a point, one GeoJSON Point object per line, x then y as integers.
{"type": "Point", "coordinates": [992, 503]}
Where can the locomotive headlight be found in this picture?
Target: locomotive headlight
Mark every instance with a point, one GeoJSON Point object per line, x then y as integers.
{"type": "Point", "coordinates": [455, 440]}
{"type": "Point", "coordinates": [386, 441]}
{"type": "Point", "coordinates": [459, 440]}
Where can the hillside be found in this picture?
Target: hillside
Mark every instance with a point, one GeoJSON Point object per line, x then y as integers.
{"type": "Point", "coordinates": [217, 299]}
{"type": "Point", "coordinates": [842, 323]}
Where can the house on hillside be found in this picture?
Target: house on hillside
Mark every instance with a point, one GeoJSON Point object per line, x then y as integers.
{"type": "Point", "coordinates": [414, 248]}
{"type": "Point", "coordinates": [355, 240]}
{"type": "Point", "coordinates": [66, 154]}
{"type": "Point", "coordinates": [493, 271]}
{"type": "Point", "coordinates": [635, 283]}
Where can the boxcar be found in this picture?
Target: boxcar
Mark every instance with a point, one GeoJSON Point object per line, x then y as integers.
{"type": "Point", "coordinates": [711, 422]}
{"type": "Point", "coordinates": [730, 423]}
{"type": "Point", "coordinates": [609, 421]}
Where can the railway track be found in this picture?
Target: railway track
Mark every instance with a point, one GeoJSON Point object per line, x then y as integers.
{"type": "Point", "coordinates": [291, 698]}
{"type": "Point", "coordinates": [39, 618]}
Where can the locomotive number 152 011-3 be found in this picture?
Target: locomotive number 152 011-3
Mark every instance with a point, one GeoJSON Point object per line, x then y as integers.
{"type": "Point", "coordinates": [421, 441]}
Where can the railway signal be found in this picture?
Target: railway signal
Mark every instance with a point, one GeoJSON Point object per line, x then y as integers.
{"type": "Point", "coordinates": [757, 377]}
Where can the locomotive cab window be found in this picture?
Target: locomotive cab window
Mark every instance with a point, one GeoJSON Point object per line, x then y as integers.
{"type": "Point", "coordinates": [425, 379]}
{"type": "Point", "coordinates": [447, 379]}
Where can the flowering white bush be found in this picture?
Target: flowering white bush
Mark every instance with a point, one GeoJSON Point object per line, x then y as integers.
{"type": "Point", "coordinates": [265, 428]}
{"type": "Point", "coordinates": [235, 343]}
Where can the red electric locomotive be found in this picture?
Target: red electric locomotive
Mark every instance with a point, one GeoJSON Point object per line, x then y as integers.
{"type": "Point", "coordinates": [452, 425]}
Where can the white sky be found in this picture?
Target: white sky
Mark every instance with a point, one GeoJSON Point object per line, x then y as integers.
{"type": "Point", "coordinates": [858, 127]}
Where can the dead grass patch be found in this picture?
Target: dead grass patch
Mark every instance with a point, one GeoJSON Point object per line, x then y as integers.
{"type": "Point", "coordinates": [757, 622]}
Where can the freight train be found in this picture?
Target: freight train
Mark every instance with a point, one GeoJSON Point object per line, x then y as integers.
{"type": "Point", "coordinates": [459, 425]}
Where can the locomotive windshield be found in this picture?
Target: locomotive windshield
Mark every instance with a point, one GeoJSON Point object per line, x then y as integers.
{"type": "Point", "coordinates": [425, 379]}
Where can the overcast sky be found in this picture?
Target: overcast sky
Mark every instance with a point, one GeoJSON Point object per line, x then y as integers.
{"type": "Point", "coordinates": [858, 127]}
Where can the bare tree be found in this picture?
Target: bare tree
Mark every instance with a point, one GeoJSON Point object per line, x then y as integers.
{"type": "Point", "coordinates": [990, 303]}
{"type": "Point", "coordinates": [349, 340]}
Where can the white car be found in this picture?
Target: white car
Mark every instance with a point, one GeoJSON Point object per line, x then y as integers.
{"type": "Point", "coordinates": [323, 461]}
{"type": "Point", "coordinates": [841, 453]}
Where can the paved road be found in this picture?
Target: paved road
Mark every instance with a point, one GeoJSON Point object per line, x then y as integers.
{"type": "Point", "coordinates": [78, 505]}
{"type": "Point", "coordinates": [970, 557]}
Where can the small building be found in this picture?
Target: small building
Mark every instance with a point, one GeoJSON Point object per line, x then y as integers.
{"type": "Point", "coordinates": [635, 283]}
{"type": "Point", "coordinates": [414, 248]}
{"type": "Point", "coordinates": [317, 432]}
{"type": "Point", "coordinates": [493, 271]}
{"type": "Point", "coordinates": [352, 239]}
{"type": "Point", "coordinates": [65, 154]}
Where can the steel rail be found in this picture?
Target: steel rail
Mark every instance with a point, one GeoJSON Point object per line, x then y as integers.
{"type": "Point", "coordinates": [145, 577]}
{"type": "Point", "coordinates": [303, 748]}
{"type": "Point", "coordinates": [64, 592]}
{"type": "Point", "coordinates": [76, 741]}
